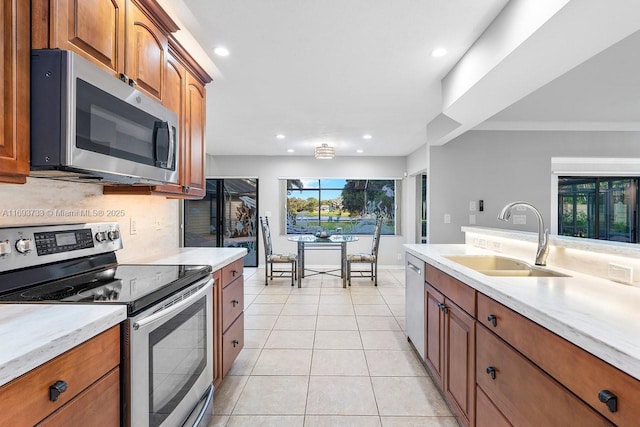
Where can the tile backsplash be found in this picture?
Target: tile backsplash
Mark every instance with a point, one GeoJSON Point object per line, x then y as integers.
{"type": "Point", "coordinates": [46, 201]}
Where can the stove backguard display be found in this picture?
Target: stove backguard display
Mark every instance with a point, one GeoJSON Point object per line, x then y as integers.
{"type": "Point", "coordinates": [55, 242]}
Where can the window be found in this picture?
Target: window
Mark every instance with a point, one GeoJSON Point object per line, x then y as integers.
{"type": "Point", "coordinates": [599, 208]}
{"type": "Point", "coordinates": [349, 206]}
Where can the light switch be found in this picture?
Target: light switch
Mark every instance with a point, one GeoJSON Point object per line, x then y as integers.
{"type": "Point", "coordinates": [472, 206]}
{"type": "Point", "coordinates": [447, 218]}
{"type": "Point", "coordinates": [472, 219]}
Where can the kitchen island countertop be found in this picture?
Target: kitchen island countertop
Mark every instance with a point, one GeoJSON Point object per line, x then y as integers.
{"type": "Point", "coordinates": [33, 334]}
{"type": "Point", "coordinates": [598, 315]}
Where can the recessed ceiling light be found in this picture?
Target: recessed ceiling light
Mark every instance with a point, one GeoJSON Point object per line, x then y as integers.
{"type": "Point", "coordinates": [221, 51]}
{"type": "Point", "coordinates": [439, 52]}
{"type": "Point", "coordinates": [280, 136]}
{"type": "Point", "coordinates": [360, 151]}
{"type": "Point", "coordinates": [290, 150]}
{"type": "Point", "coordinates": [366, 136]}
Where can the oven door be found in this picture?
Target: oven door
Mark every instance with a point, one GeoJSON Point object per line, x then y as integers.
{"type": "Point", "coordinates": [168, 360]}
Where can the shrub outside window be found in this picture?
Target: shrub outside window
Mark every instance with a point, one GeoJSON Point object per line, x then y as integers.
{"type": "Point", "coordinates": [340, 206]}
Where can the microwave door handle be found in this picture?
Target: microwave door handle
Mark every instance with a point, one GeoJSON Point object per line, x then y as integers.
{"type": "Point", "coordinates": [161, 128]}
{"type": "Point", "coordinates": [172, 147]}
{"type": "Point", "coordinates": [146, 321]}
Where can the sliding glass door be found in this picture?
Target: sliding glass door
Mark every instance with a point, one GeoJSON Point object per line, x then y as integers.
{"type": "Point", "coordinates": [225, 217]}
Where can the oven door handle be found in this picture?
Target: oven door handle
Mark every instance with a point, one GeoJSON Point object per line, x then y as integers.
{"type": "Point", "coordinates": [173, 308]}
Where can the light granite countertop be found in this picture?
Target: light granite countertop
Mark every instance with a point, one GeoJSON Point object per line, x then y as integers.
{"type": "Point", "coordinates": [598, 315]}
{"type": "Point", "coordinates": [32, 334]}
{"type": "Point", "coordinates": [215, 257]}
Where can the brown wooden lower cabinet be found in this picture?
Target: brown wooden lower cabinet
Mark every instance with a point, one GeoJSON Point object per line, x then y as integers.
{"type": "Point", "coordinates": [521, 391]}
{"type": "Point", "coordinates": [449, 353]}
{"type": "Point", "coordinates": [228, 331]}
{"type": "Point", "coordinates": [90, 370]}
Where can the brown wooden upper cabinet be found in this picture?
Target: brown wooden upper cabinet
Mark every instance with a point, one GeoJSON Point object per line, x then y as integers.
{"type": "Point", "coordinates": [132, 40]}
{"type": "Point", "coordinates": [14, 103]}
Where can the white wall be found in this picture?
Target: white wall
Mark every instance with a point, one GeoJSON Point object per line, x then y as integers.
{"type": "Point", "coordinates": [503, 166]}
{"type": "Point", "coordinates": [269, 168]}
{"type": "Point", "coordinates": [62, 202]}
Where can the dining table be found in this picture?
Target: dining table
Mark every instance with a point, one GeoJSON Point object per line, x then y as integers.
{"type": "Point", "coordinates": [318, 242]}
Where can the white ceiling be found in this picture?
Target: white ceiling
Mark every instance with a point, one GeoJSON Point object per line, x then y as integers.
{"type": "Point", "coordinates": [328, 71]}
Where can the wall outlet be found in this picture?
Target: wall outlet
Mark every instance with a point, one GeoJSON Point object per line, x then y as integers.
{"type": "Point", "coordinates": [158, 223]}
{"type": "Point", "coordinates": [399, 256]}
{"type": "Point", "coordinates": [133, 226]}
{"type": "Point", "coordinates": [482, 243]}
{"type": "Point", "coordinates": [447, 218]}
{"type": "Point", "coordinates": [496, 246]}
{"type": "Point", "coordinates": [620, 273]}
{"type": "Point", "coordinates": [472, 206]}
{"type": "Point", "coordinates": [519, 219]}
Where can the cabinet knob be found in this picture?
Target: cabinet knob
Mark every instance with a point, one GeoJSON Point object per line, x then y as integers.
{"type": "Point", "coordinates": [235, 342]}
{"type": "Point", "coordinates": [605, 396]}
{"type": "Point", "coordinates": [123, 77]}
{"type": "Point", "coordinates": [492, 319]}
{"type": "Point", "coordinates": [492, 372]}
{"type": "Point", "coordinates": [56, 389]}
{"type": "Point", "coordinates": [235, 302]}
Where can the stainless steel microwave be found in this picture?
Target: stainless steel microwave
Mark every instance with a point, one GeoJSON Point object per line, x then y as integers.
{"type": "Point", "coordinates": [87, 125]}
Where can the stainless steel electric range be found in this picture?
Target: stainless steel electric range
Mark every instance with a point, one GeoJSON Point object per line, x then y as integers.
{"type": "Point", "coordinates": [167, 339]}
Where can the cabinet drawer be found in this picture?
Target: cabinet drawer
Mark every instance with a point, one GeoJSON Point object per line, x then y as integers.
{"type": "Point", "coordinates": [487, 415]}
{"type": "Point", "coordinates": [567, 363]}
{"type": "Point", "coordinates": [232, 271]}
{"type": "Point", "coordinates": [232, 302]}
{"type": "Point", "coordinates": [524, 393]}
{"type": "Point", "coordinates": [25, 400]}
{"type": "Point", "coordinates": [232, 343]}
{"type": "Point", "coordinates": [100, 404]}
{"type": "Point", "coordinates": [461, 294]}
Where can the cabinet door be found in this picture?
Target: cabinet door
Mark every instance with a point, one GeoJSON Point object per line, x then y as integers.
{"type": "Point", "coordinates": [487, 415]}
{"type": "Point", "coordinates": [174, 99]}
{"type": "Point", "coordinates": [193, 178]}
{"type": "Point", "coordinates": [14, 103]}
{"type": "Point", "coordinates": [459, 380]}
{"type": "Point", "coordinates": [434, 341]}
{"type": "Point", "coordinates": [146, 52]}
{"type": "Point", "coordinates": [91, 28]}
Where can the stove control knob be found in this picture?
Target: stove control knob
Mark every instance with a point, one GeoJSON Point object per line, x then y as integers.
{"type": "Point", "coordinates": [5, 248]}
{"type": "Point", "coordinates": [114, 235]}
{"type": "Point", "coordinates": [24, 246]}
{"type": "Point", "coordinates": [101, 236]}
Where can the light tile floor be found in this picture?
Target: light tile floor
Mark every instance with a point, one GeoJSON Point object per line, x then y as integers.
{"type": "Point", "coordinates": [322, 355]}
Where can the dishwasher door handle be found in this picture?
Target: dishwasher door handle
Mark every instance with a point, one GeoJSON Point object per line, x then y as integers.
{"type": "Point", "coordinates": [414, 268]}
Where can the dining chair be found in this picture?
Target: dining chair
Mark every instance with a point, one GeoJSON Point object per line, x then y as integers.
{"type": "Point", "coordinates": [366, 258]}
{"type": "Point", "coordinates": [276, 258]}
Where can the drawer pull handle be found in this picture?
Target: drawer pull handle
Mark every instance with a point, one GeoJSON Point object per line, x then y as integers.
{"type": "Point", "coordinates": [492, 372]}
{"type": "Point", "coordinates": [235, 302]}
{"type": "Point", "coordinates": [235, 342]}
{"type": "Point", "coordinates": [492, 319]}
{"type": "Point", "coordinates": [443, 308]}
{"type": "Point", "coordinates": [605, 396]}
{"type": "Point", "coordinates": [56, 389]}
{"type": "Point", "coordinates": [234, 272]}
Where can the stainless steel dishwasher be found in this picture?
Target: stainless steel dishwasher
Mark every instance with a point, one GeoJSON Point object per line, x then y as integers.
{"type": "Point", "coordinates": [414, 293]}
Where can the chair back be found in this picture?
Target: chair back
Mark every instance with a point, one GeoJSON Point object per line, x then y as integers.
{"type": "Point", "coordinates": [266, 236]}
{"type": "Point", "coordinates": [375, 243]}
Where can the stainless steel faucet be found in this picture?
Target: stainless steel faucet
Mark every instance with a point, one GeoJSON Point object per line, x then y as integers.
{"type": "Point", "coordinates": [543, 233]}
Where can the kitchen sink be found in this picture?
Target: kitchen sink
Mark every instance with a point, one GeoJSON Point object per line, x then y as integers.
{"type": "Point", "coordinates": [494, 265]}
